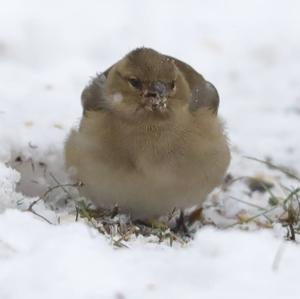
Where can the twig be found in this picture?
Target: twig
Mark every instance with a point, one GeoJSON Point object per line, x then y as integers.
{"type": "Point", "coordinates": [49, 191]}
{"type": "Point", "coordinates": [43, 197]}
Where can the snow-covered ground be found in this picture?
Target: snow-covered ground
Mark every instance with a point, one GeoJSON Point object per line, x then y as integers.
{"type": "Point", "coordinates": [48, 50]}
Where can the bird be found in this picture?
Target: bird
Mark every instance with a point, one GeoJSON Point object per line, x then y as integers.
{"type": "Point", "coordinates": [150, 139]}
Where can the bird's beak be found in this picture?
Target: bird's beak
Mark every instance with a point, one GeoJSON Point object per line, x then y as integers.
{"type": "Point", "coordinates": [155, 97]}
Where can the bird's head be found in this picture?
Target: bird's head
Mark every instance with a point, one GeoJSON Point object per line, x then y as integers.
{"type": "Point", "coordinates": [146, 84]}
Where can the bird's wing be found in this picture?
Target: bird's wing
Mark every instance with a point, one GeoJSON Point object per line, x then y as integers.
{"type": "Point", "coordinates": [204, 94]}
{"type": "Point", "coordinates": [92, 97]}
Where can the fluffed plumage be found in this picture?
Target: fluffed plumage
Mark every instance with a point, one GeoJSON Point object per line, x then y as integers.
{"type": "Point", "coordinates": [150, 138]}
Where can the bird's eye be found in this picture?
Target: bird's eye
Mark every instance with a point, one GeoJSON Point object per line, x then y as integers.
{"type": "Point", "coordinates": [136, 83]}
{"type": "Point", "coordinates": [172, 85]}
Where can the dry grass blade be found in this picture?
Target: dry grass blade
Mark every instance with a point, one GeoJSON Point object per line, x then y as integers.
{"type": "Point", "coordinates": [254, 206]}
{"type": "Point", "coordinates": [40, 216]}
{"type": "Point", "coordinates": [44, 196]}
{"type": "Point", "coordinates": [291, 206]}
{"type": "Point", "coordinates": [248, 203]}
{"type": "Point", "coordinates": [252, 218]}
{"type": "Point", "coordinates": [85, 212]}
{"type": "Point", "coordinates": [279, 168]}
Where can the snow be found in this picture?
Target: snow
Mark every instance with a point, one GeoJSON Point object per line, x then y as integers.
{"type": "Point", "coordinates": [49, 50]}
{"type": "Point", "coordinates": [74, 261]}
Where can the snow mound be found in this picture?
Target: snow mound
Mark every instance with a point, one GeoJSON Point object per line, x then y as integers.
{"type": "Point", "coordinates": [8, 180]}
{"type": "Point", "coordinates": [74, 261]}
